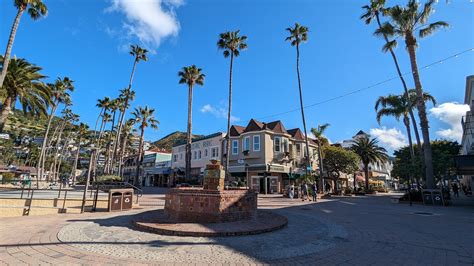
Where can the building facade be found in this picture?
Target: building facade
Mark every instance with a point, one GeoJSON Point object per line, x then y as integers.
{"type": "Point", "coordinates": [156, 169]}
{"type": "Point", "coordinates": [203, 150]}
{"type": "Point", "coordinates": [266, 155]}
{"type": "Point", "coordinates": [465, 161]}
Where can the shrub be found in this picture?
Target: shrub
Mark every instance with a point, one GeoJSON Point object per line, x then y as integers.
{"type": "Point", "coordinates": [347, 191]}
{"type": "Point", "coordinates": [109, 178]}
{"type": "Point", "coordinates": [8, 177]}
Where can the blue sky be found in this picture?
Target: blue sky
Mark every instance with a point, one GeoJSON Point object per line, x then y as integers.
{"type": "Point", "coordinates": [88, 41]}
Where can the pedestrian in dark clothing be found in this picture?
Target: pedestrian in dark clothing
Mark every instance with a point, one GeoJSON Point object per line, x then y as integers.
{"type": "Point", "coordinates": [456, 190]}
{"type": "Point", "coordinates": [314, 187]}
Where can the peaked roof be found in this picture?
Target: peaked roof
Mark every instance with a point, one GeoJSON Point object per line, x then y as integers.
{"type": "Point", "coordinates": [236, 130]}
{"type": "Point", "coordinates": [361, 132]}
{"type": "Point", "coordinates": [254, 125]}
{"type": "Point", "coordinates": [296, 133]}
{"type": "Point", "coordinates": [276, 126]}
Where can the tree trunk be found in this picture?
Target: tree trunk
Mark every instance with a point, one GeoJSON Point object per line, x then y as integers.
{"type": "Point", "coordinates": [366, 172]}
{"type": "Point", "coordinates": [41, 158]}
{"type": "Point", "coordinates": [107, 165]}
{"type": "Point", "coordinates": [405, 87]}
{"type": "Point", "coordinates": [97, 121]}
{"type": "Point", "coordinates": [122, 153]}
{"type": "Point", "coordinates": [56, 149]}
{"type": "Point", "coordinates": [6, 108]}
{"type": "Point", "coordinates": [6, 58]}
{"type": "Point", "coordinates": [139, 159]}
{"type": "Point", "coordinates": [227, 157]}
{"type": "Point", "coordinates": [120, 125]}
{"type": "Point", "coordinates": [430, 182]}
{"type": "Point", "coordinates": [308, 163]}
{"type": "Point", "coordinates": [74, 166]}
{"type": "Point", "coordinates": [321, 170]}
{"type": "Point", "coordinates": [189, 133]}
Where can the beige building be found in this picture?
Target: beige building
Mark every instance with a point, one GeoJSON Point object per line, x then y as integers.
{"type": "Point", "coordinates": [202, 151]}
{"type": "Point", "coordinates": [266, 155]}
{"type": "Point", "coordinates": [465, 161]}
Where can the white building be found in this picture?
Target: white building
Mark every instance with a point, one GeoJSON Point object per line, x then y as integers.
{"type": "Point", "coordinates": [465, 161]}
{"type": "Point", "coordinates": [202, 151]}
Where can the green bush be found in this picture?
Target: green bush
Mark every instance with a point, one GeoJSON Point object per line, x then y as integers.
{"type": "Point", "coordinates": [347, 191]}
{"type": "Point", "coordinates": [109, 178]}
{"type": "Point", "coordinates": [8, 177]}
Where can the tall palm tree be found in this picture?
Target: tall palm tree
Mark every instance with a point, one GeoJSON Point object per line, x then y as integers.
{"type": "Point", "coordinates": [82, 134]}
{"type": "Point", "coordinates": [373, 11]}
{"type": "Point", "coordinates": [232, 44]}
{"type": "Point", "coordinates": [404, 22]}
{"type": "Point", "coordinates": [139, 54]}
{"type": "Point", "coordinates": [298, 35]}
{"type": "Point", "coordinates": [127, 128]}
{"type": "Point", "coordinates": [369, 152]}
{"type": "Point", "coordinates": [36, 9]}
{"type": "Point", "coordinates": [321, 140]}
{"type": "Point", "coordinates": [114, 105]}
{"type": "Point", "coordinates": [190, 76]}
{"type": "Point", "coordinates": [23, 83]}
{"type": "Point", "coordinates": [60, 94]}
{"type": "Point", "coordinates": [125, 97]}
{"type": "Point", "coordinates": [144, 117]}
{"type": "Point", "coordinates": [103, 104]}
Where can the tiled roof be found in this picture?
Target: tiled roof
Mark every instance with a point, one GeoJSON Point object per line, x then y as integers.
{"type": "Point", "coordinates": [296, 133]}
{"type": "Point", "coordinates": [236, 130]}
{"type": "Point", "coordinates": [276, 126]}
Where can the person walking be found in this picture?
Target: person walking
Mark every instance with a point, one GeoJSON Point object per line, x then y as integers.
{"type": "Point", "coordinates": [456, 190]}
{"type": "Point", "coordinates": [314, 187]}
{"type": "Point", "coordinates": [303, 191]}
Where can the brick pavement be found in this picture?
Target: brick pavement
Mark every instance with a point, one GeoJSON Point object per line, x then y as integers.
{"type": "Point", "coordinates": [341, 231]}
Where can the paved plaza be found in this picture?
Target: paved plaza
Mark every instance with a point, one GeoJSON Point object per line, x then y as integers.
{"type": "Point", "coordinates": [345, 230]}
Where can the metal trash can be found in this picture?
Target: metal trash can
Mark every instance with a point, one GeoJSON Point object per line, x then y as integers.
{"type": "Point", "coordinates": [115, 201]}
{"type": "Point", "coordinates": [427, 197]}
{"type": "Point", "coordinates": [127, 200]}
{"type": "Point", "coordinates": [437, 198]}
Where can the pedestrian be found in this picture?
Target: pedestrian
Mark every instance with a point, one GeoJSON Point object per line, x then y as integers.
{"type": "Point", "coordinates": [302, 191]}
{"type": "Point", "coordinates": [291, 191]}
{"type": "Point", "coordinates": [314, 187]}
{"type": "Point", "coordinates": [305, 191]}
{"type": "Point", "coordinates": [456, 190]}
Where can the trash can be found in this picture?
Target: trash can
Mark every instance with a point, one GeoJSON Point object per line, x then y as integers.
{"type": "Point", "coordinates": [427, 197]}
{"type": "Point", "coordinates": [115, 201]}
{"type": "Point", "coordinates": [127, 201]}
{"type": "Point", "coordinates": [437, 198]}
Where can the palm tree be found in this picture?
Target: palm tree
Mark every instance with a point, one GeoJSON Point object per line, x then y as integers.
{"type": "Point", "coordinates": [373, 11]}
{"type": "Point", "coordinates": [127, 128]}
{"type": "Point", "coordinates": [321, 140]}
{"type": "Point", "coordinates": [125, 97]}
{"type": "Point", "coordinates": [60, 94]}
{"type": "Point", "coordinates": [36, 9]}
{"type": "Point", "coordinates": [145, 118]}
{"type": "Point", "coordinates": [113, 107]}
{"type": "Point", "coordinates": [139, 54]}
{"type": "Point", "coordinates": [404, 21]}
{"type": "Point", "coordinates": [23, 83]}
{"type": "Point", "coordinates": [190, 76]}
{"type": "Point", "coordinates": [82, 132]}
{"type": "Point", "coordinates": [298, 35]}
{"type": "Point", "coordinates": [103, 104]}
{"type": "Point", "coordinates": [369, 152]}
{"type": "Point", "coordinates": [232, 44]}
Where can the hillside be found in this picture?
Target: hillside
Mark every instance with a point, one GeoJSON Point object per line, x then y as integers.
{"type": "Point", "coordinates": [168, 141]}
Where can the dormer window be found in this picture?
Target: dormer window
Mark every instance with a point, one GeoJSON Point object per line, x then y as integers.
{"type": "Point", "coordinates": [277, 144]}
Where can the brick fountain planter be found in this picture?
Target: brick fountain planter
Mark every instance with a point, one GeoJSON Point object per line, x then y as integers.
{"type": "Point", "coordinates": [211, 211]}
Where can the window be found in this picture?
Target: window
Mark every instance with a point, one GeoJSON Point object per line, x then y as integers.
{"type": "Point", "coordinates": [285, 145]}
{"type": "Point", "coordinates": [175, 157]}
{"type": "Point", "coordinates": [277, 144]}
{"type": "Point", "coordinates": [235, 147]}
{"type": "Point", "coordinates": [298, 149]}
{"type": "Point", "coordinates": [246, 144]}
{"type": "Point", "coordinates": [195, 155]}
{"type": "Point", "coordinates": [205, 153]}
{"type": "Point", "coordinates": [256, 143]}
{"type": "Point", "coordinates": [304, 151]}
{"type": "Point", "coordinates": [199, 154]}
{"type": "Point", "coordinates": [214, 152]}
{"type": "Point", "coordinates": [180, 156]}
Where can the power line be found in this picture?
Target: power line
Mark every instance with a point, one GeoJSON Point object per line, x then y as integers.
{"type": "Point", "coordinates": [368, 87]}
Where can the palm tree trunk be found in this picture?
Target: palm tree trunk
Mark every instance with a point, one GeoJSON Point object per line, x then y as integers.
{"type": "Point", "coordinates": [5, 111]}
{"type": "Point", "coordinates": [321, 170]}
{"type": "Point", "coordinates": [430, 182]}
{"type": "Point", "coordinates": [74, 166]}
{"type": "Point", "coordinates": [227, 158]}
{"type": "Point", "coordinates": [366, 172]}
{"type": "Point", "coordinates": [122, 153]}
{"type": "Point", "coordinates": [6, 58]}
{"type": "Point", "coordinates": [109, 142]}
{"type": "Point", "coordinates": [405, 87]}
{"type": "Point", "coordinates": [119, 131]}
{"type": "Point", "coordinates": [56, 149]}
{"type": "Point", "coordinates": [116, 145]}
{"type": "Point", "coordinates": [98, 145]}
{"type": "Point", "coordinates": [308, 164]}
{"type": "Point", "coordinates": [41, 158]}
{"type": "Point", "coordinates": [189, 132]}
{"type": "Point", "coordinates": [97, 121]}
{"type": "Point", "coordinates": [139, 158]}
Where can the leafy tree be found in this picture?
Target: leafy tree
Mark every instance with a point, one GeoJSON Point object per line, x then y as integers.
{"type": "Point", "coordinates": [23, 83]}
{"type": "Point", "coordinates": [144, 118]}
{"type": "Point", "coordinates": [190, 76]}
{"type": "Point", "coordinates": [369, 152]}
{"type": "Point", "coordinates": [339, 161]}
{"type": "Point", "coordinates": [443, 164]}
{"type": "Point", "coordinates": [36, 9]}
{"type": "Point", "coordinates": [232, 44]}
{"type": "Point", "coordinates": [322, 141]}
{"type": "Point", "coordinates": [404, 22]}
{"type": "Point", "coordinates": [298, 35]}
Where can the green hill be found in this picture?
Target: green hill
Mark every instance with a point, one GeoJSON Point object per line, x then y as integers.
{"type": "Point", "coordinates": [168, 141]}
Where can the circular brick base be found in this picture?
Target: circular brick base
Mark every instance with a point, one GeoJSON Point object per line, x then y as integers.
{"type": "Point", "coordinates": [157, 222]}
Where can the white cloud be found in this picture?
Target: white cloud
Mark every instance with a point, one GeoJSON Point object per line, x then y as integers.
{"type": "Point", "coordinates": [450, 113]}
{"type": "Point", "coordinates": [148, 20]}
{"type": "Point", "coordinates": [219, 112]}
{"type": "Point", "coordinates": [391, 138]}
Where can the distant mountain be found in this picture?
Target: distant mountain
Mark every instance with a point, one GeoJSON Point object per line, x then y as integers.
{"type": "Point", "coordinates": [168, 141]}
